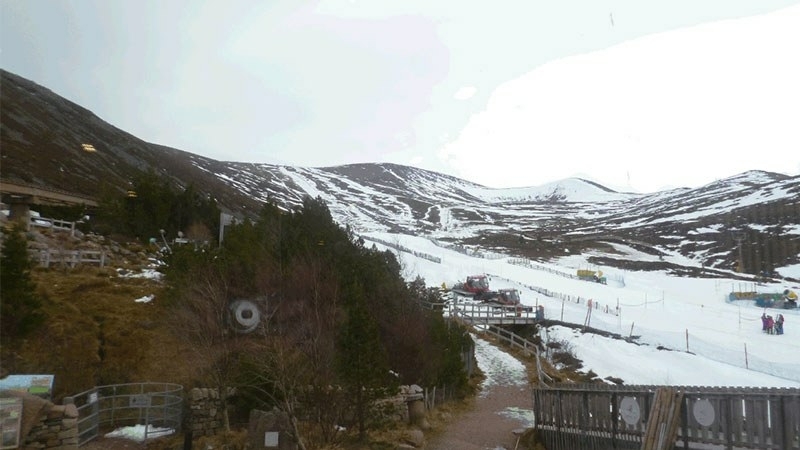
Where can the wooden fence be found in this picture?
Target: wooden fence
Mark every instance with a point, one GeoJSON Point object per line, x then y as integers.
{"type": "Point", "coordinates": [53, 224]}
{"type": "Point", "coordinates": [402, 248]}
{"type": "Point", "coordinates": [68, 258]}
{"type": "Point", "coordinates": [606, 416]}
{"type": "Point", "coordinates": [514, 340]}
{"type": "Point", "coordinates": [511, 339]}
{"type": "Point", "coordinates": [495, 315]}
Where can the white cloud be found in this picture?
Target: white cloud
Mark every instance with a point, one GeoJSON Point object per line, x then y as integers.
{"type": "Point", "coordinates": [334, 82]}
{"type": "Point", "coordinates": [465, 93]}
{"type": "Point", "coordinates": [677, 108]}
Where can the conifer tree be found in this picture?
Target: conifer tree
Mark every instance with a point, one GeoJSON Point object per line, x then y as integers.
{"type": "Point", "coordinates": [361, 360]}
{"type": "Point", "coordinates": [20, 306]}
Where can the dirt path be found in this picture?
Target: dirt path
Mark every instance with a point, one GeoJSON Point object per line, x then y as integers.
{"type": "Point", "coordinates": [503, 405]}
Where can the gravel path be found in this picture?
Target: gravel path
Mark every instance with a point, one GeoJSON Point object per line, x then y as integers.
{"type": "Point", "coordinates": [503, 405]}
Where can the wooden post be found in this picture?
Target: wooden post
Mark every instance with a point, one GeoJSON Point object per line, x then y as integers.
{"type": "Point", "coordinates": [560, 412]}
{"type": "Point", "coordinates": [746, 365]}
{"type": "Point", "coordinates": [614, 419]}
{"type": "Point", "coordinates": [787, 414]}
{"type": "Point", "coordinates": [653, 422]}
{"type": "Point", "coordinates": [727, 425]}
{"type": "Point", "coordinates": [685, 423]}
{"type": "Point", "coordinates": [663, 420]}
{"type": "Point", "coordinates": [687, 340]}
{"type": "Point", "coordinates": [584, 417]}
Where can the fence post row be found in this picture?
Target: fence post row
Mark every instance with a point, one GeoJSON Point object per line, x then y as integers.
{"type": "Point", "coordinates": [71, 258]}
{"type": "Point", "coordinates": [699, 417]}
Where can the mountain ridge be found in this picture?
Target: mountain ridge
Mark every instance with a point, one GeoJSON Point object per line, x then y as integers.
{"type": "Point", "coordinates": [369, 197]}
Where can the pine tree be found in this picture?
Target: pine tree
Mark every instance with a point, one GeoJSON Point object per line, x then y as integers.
{"type": "Point", "coordinates": [20, 307]}
{"type": "Point", "coordinates": [361, 360]}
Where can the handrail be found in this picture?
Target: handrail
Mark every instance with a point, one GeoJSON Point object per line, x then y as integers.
{"type": "Point", "coordinates": [148, 403]}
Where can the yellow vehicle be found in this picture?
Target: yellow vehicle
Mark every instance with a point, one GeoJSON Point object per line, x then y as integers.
{"type": "Point", "coordinates": [791, 298]}
{"type": "Point", "coordinates": [591, 275]}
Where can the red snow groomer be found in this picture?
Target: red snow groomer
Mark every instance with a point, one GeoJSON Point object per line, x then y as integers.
{"type": "Point", "coordinates": [476, 287]}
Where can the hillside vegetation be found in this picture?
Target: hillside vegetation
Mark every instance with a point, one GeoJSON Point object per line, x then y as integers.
{"type": "Point", "coordinates": [332, 313]}
{"type": "Point", "coordinates": [90, 329]}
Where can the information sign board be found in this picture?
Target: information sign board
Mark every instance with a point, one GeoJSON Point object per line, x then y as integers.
{"type": "Point", "coordinates": [140, 401]}
{"type": "Point", "coordinates": [38, 385]}
{"type": "Point", "coordinates": [10, 417]}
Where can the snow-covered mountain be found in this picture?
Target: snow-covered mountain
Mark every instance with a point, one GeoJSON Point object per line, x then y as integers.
{"type": "Point", "coordinates": [753, 217]}
{"type": "Point", "coordinates": [760, 209]}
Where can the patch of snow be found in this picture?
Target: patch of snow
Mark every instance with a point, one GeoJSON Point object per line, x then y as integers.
{"type": "Point", "coordinates": [498, 366]}
{"type": "Point", "coordinates": [151, 274]}
{"type": "Point", "coordinates": [137, 432]}
{"type": "Point", "coordinates": [660, 308]}
{"type": "Point", "coordinates": [145, 299]}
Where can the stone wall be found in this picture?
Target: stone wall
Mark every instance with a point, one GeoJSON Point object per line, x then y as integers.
{"type": "Point", "coordinates": [45, 425]}
{"type": "Point", "coordinates": [205, 412]}
{"type": "Point", "coordinates": [57, 429]}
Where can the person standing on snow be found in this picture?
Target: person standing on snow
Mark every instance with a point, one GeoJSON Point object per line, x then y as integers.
{"type": "Point", "coordinates": [779, 324]}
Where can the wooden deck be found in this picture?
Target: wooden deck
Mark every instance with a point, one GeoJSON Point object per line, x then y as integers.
{"type": "Point", "coordinates": [494, 315]}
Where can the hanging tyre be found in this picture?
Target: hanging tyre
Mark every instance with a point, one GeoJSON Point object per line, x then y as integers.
{"type": "Point", "coordinates": [245, 316]}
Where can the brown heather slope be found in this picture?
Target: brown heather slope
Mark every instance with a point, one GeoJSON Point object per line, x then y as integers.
{"type": "Point", "coordinates": [94, 332]}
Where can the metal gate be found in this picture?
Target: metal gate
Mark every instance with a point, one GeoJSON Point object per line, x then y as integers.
{"type": "Point", "coordinates": [105, 408]}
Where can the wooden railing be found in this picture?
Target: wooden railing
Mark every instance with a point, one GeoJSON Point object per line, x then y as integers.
{"type": "Point", "coordinates": [495, 315]}
{"type": "Point", "coordinates": [68, 258]}
{"type": "Point", "coordinates": [53, 224]}
{"type": "Point", "coordinates": [606, 416]}
{"type": "Point", "coordinates": [511, 339]}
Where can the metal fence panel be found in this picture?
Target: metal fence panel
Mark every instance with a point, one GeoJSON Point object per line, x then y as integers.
{"type": "Point", "coordinates": [106, 407]}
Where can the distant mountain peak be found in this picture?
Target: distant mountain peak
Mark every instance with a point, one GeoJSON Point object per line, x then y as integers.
{"type": "Point", "coordinates": [535, 220]}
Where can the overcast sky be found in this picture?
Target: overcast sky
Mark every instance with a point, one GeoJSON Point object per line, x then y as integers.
{"type": "Point", "coordinates": [506, 94]}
